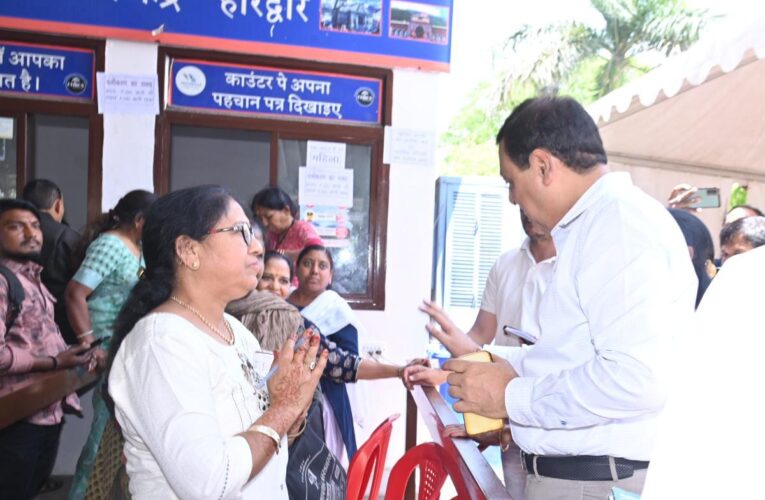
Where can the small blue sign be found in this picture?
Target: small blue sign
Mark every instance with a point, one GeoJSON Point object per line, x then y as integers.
{"type": "Point", "coordinates": [46, 70]}
{"type": "Point", "coordinates": [272, 91]}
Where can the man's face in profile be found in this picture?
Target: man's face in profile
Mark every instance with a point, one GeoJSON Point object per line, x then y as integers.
{"type": "Point", "coordinates": [738, 244]}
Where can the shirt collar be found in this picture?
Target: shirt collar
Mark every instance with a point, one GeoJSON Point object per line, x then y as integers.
{"type": "Point", "coordinates": [28, 267]}
{"type": "Point", "coordinates": [605, 183]}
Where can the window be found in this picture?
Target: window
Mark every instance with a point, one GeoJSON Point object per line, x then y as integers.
{"type": "Point", "coordinates": [249, 151]}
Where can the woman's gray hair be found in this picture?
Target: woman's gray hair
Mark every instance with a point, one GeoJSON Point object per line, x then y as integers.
{"type": "Point", "coordinates": [270, 318]}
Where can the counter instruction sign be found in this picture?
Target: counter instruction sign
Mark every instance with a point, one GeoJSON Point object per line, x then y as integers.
{"type": "Point", "coordinates": [46, 70]}
{"type": "Point", "coordinates": [272, 91]}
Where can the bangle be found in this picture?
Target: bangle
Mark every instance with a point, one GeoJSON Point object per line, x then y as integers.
{"type": "Point", "coordinates": [85, 334]}
{"type": "Point", "coordinates": [55, 362]}
{"type": "Point", "coordinates": [267, 431]}
{"type": "Point", "coordinates": [300, 431]}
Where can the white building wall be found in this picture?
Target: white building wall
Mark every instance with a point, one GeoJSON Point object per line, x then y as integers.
{"type": "Point", "coordinates": [128, 164]}
{"type": "Point", "coordinates": [400, 328]}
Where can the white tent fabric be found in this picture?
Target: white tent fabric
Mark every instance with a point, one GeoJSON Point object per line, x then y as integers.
{"type": "Point", "coordinates": [699, 118]}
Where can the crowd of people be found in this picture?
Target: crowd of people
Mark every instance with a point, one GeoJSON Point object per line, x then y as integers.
{"type": "Point", "coordinates": [141, 296]}
{"type": "Point", "coordinates": [228, 362]}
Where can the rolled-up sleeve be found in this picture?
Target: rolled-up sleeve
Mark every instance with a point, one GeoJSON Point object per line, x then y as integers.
{"type": "Point", "coordinates": [163, 396]}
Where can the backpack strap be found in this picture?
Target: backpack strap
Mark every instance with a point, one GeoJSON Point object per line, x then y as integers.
{"type": "Point", "coordinates": [16, 296]}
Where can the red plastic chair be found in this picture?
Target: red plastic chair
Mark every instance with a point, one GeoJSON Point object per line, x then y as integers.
{"type": "Point", "coordinates": [370, 457]}
{"type": "Point", "coordinates": [434, 465]}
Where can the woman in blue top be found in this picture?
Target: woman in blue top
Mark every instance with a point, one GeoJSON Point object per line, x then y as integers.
{"type": "Point", "coordinates": [335, 319]}
{"type": "Point", "coordinates": [95, 296]}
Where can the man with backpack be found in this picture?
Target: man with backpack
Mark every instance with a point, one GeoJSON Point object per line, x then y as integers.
{"type": "Point", "coordinates": [29, 342]}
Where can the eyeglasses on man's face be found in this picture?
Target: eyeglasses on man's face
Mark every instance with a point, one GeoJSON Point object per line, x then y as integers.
{"type": "Point", "coordinates": [247, 233]}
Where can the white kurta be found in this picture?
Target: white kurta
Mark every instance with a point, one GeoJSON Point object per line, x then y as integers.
{"type": "Point", "coordinates": [181, 398]}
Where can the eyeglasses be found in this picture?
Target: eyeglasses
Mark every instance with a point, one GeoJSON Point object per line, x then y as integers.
{"type": "Point", "coordinates": [245, 229]}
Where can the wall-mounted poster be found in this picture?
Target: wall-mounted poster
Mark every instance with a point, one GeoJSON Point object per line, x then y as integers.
{"type": "Point", "coordinates": [359, 16]}
{"type": "Point", "coordinates": [421, 22]}
{"type": "Point", "coordinates": [364, 32]}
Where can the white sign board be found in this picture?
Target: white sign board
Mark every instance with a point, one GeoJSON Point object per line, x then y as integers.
{"type": "Point", "coordinates": [412, 147]}
{"type": "Point", "coordinates": [6, 128]}
{"type": "Point", "coordinates": [127, 94]}
{"type": "Point", "coordinates": [325, 154]}
{"type": "Point", "coordinates": [325, 186]}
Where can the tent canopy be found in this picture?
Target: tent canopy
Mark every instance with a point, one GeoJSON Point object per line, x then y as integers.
{"type": "Point", "coordinates": [699, 118]}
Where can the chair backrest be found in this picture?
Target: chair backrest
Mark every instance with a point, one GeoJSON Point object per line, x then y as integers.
{"type": "Point", "coordinates": [369, 458]}
{"type": "Point", "coordinates": [434, 465]}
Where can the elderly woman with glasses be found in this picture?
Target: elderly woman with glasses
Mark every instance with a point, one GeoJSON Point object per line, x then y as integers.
{"type": "Point", "coordinates": [186, 383]}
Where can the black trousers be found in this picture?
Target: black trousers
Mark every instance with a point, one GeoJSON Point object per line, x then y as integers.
{"type": "Point", "coordinates": [27, 455]}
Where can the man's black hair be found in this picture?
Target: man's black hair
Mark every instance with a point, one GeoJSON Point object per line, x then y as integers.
{"type": "Point", "coordinates": [16, 204]}
{"type": "Point", "coordinates": [43, 193]}
{"type": "Point", "coordinates": [558, 124]}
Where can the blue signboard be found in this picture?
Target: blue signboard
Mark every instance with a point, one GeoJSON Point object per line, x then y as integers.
{"type": "Point", "coordinates": [44, 70]}
{"type": "Point", "coordinates": [385, 33]}
{"type": "Point", "coordinates": [272, 91]}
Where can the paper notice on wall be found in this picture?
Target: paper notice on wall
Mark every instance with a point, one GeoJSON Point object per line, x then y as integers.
{"type": "Point", "coordinates": [127, 94]}
{"type": "Point", "coordinates": [325, 154]}
{"type": "Point", "coordinates": [6, 128]}
{"type": "Point", "coordinates": [325, 186]}
{"type": "Point", "coordinates": [409, 146]}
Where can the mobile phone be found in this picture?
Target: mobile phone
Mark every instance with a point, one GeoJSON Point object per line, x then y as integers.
{"type": "Point", "coordinates": [474, 423]}
{"type": "Point", "coordinates": [706, 198]}
{"type": "Point", "coordinates": [528, 337]}
{"type": "Point", "coordinates": [96, 343]}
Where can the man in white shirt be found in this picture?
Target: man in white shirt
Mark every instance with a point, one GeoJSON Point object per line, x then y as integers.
{"type": "Point", "coordinates": [583, 401]}
{"type": "Point", "coordinates": [511, 297]}
{"type": "Point", "coordinates": [716, 414]}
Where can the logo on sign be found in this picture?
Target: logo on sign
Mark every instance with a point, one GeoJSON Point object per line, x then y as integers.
{"type": "Point", "coordinates": [190, 81]}
{"type": "Point", "coordinates": [75, 84]}
{"type": "Point", "coordinates": [364, 96]}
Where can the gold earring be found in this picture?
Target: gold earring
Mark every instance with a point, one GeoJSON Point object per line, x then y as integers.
{"type": "Point", "coordinates": [195, 266]}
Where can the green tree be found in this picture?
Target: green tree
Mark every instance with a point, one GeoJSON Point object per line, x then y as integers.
{"type": "Point", "coordinates": [549, 56]}
{"type": "Point", "coordinates": [571, 58]}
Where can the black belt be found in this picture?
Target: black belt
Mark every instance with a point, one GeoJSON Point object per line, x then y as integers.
{"type": "Point", "coordinates": [581, 468]}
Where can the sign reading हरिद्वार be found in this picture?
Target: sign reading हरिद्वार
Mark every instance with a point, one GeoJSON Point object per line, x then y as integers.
{"type": "Point", "coordinates": [383, 33]}
{"type": "Point", "coordinates": [325, 186]}
{"type": "Point", "coordinates": [127, 94]}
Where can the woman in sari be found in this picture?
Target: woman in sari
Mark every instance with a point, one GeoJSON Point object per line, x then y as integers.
{"type": "Point", "coordinates": [95, 296]}
{"type": "Point", "coordinates": [345, 404]}
{"type": "Point", "coordinates": [285, 233]}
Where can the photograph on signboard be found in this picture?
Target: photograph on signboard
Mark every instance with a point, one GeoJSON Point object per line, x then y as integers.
{"type": "Point", "coordinates": [419, 22]}
{"type": "Point", "coordinates": [360, 17]}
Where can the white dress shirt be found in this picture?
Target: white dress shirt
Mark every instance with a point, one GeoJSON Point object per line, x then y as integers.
{"type": "Point", "coordinates": [622, 286]}
{"type": "Point", "coordinates": [181, 398]}
{"type": "Point", "coordinates": [711, 435]}
{"type": "Point", "coordinates": [513, 291]}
